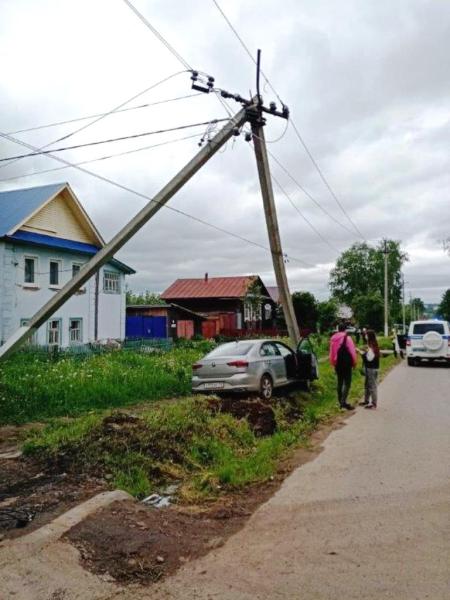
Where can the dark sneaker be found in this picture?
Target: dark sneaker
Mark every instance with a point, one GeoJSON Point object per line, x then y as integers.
{"type": "Point", "coordinates": [364, 403]}
{"type": "Point", "coordinates": [370, 406]}
{"type": "Point", "coordinates": [348, 406]}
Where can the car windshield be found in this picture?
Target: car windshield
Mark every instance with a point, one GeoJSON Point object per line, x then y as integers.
{"type": "Point", "coordinates": [422, 328]}
{"type": "Point", "coordinates": [230, 349]}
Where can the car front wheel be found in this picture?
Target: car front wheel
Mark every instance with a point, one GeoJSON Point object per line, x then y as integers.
{"type": "Point", "coordinates": [411, 362]}
{"type": "Point", "coordinates": [266, 387]}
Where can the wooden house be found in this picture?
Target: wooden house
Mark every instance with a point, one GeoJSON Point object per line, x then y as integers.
{"type": "Point", "coordinates": [230, 305]}
{"type": "Point", "coordinates": [45, 238]}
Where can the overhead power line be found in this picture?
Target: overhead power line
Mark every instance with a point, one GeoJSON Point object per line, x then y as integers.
{"type": "Point", "coordinates": [144, 196]}
{"type": "Point", "coordinates": [302, 141]}
{"type": "Point", "coordinates": [57, 123]}
{"type": "Point", "coordinates": [108, 156]}
{"type": "Point", "coordinates": [325, 181]}
{"type": "Point", "coordinates": [160, 37]}
{"type": "Point", "coordinates": [122, 104]}
{"type": "Point", "coordinates": [117, 139]}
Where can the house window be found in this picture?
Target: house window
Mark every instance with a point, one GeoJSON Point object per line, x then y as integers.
{"type": "Point", "coordinates": [75, 269]}
{"type": "Point", "coordinates": [75, 331]}
{"type": "Point", "coordinates": [111, 282]}
{"type": "Point", "coordinates": [252, 313]}
{"type": "Point", "coordinates": [55, 269]}
{"type": "Point", "coordinates": [54, 332]}
{"type": "Point", "coordinates": [30, 270]}
{"type": "Point", "coordinates": [32, 340]}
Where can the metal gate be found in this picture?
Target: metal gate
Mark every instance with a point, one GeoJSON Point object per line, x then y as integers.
{"type": "Point", "coordinates": [146, 327]}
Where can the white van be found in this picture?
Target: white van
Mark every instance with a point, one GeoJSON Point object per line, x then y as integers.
{"type": "Point", "coordinates": [428, 340]}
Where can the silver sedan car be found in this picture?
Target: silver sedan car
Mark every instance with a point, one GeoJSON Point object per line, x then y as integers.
{"type": "Point", "coordinates": [254, 366]}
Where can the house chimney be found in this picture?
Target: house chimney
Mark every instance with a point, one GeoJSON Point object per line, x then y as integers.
{"type": "Point", "coordinates": [206, 277]}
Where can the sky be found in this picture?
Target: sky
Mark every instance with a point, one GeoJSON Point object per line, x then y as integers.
{"type": "Point", "coordinates": [367, 86]}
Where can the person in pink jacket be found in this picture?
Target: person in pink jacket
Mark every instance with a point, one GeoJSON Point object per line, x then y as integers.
{"type": "Point", "coordinates": [343, 358]}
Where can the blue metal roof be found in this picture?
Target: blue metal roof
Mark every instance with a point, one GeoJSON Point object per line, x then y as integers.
{"type": "Point", "coordinates": [28, 237]}
{"type": "Point", "coordinates": [17, 205]}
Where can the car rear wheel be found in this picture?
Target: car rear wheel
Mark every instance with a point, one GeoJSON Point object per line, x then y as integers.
{"type": "Point", "coordinates": [266, 387]}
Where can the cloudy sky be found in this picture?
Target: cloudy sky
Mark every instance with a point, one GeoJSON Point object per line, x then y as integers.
{"type": "Point", "coordinates": [368, 87]}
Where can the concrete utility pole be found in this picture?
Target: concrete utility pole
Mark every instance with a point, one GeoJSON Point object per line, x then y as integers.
{"type": "Point", "coordinates": [107, 252]}
{"type": "Point", "coordinates": [273, 230]}
{"type": "Point", "coordinates": [386, 301]}
{"type": "Point", "coordinates": [403, 304]}
{"type": "Point", "coordinates": [259, 143]}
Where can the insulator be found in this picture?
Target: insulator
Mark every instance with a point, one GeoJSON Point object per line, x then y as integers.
{"type": "Point", "coordinates": [273, 106]}
{"type": "Point", "coordinates": [248, 136]}
{"type": "Point", "coordinates": [236, 131]}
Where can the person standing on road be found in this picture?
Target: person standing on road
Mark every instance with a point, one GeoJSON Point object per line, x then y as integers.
{"type": "Point", "coordinates": [343, 359]}
{"type": "Point", "coordinates": [371, 359]}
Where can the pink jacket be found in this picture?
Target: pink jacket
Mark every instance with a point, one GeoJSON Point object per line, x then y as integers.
{"type": "Point", "coordinates": [335, 343]}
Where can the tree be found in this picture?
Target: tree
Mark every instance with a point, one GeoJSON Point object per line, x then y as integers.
{"type": "Point", "coordinates": [147, 297]}
{"type": "Point", "coordinates": [327, 315]}
{"type": "Point", "coordinates": [444, 306]}
{"type": "Point", "coordinates": [369, 311]}
{"type": "Point", "coordinates": [305, 308]}
{"type": "Point", "coordinates": [359, 272]}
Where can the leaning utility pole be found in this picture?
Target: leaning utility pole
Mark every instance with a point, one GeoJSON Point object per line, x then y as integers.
{"type": "Point", "coordinates": [107, 252]}
{"type": "Point", "coordinates": [252, 110]}
{"type": "Point", "coordinates": [386, 305]}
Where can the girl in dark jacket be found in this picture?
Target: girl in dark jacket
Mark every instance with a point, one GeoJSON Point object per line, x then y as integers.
{"type": "Point", "coordinates": [371, 359]}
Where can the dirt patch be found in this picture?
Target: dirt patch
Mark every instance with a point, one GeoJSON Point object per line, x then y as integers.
{"type": "Point", "coordinates": [132, 543]}
{"type": "Point", "coordinates": [260, 416]}
{"type": "Point", "coordinates": [31, 497]}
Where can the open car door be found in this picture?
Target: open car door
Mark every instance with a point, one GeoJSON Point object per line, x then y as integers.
{"type": "Point", "coordinates": [307, 363]}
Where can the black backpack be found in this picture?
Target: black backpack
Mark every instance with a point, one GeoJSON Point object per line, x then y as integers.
{"type": "Point", "coordinates": [344, 358]}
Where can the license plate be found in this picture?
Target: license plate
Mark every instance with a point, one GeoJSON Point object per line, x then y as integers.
{"type": "Point", "coordinates": [213, 386]}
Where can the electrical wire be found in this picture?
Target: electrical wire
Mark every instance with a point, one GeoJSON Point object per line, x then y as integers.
{"type": "Point", "coordinates": [325, 181]}
{"type": "Point", "coordinates": [114, 155]}
{"type": "Point", "coordinates": [316, 231]}
{"type": "Point", "coordinates": [302, 141]}
{"type": "Point", "coordinates": [122, 104]}
{"type": "Point", "coordinates": [144, 196]}
{"type": "Point", "coordinates": [246, 48]}
{"type": "Point", "coordinates": [299, 185]}
{"type": "Point", "coordinates": [57, 123]}
{"type": "Point", "coordinates": [117, 139]}
{"type": "Point", "coordinates": [155, 32]}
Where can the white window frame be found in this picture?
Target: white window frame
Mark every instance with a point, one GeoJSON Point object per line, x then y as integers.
{"type": "Point", "coordinates": [80, 265]}
{"type": "Point", "coordinates": [74, 342]}
{"type": "Point", "coordinates": [50, 330]}
{"type": "Point", "coordinates": [252, 313]}
{"type": "Point", "coordinates": [32, 340]}
{"type": "Point", "coordinates": [111, 282]}
{"type": "Point", "coordinates": [35, 283]}
{"type": "Point", "coordinates": [58, 261]}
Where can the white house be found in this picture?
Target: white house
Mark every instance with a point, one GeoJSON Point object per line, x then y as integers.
{"type": "Point", "coordinates": [45, 237]}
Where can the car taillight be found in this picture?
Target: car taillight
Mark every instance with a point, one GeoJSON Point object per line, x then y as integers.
{"type": "Point", "coordinates": [196, 366]}
{"type": "Point", "coordinates": [240, 364]}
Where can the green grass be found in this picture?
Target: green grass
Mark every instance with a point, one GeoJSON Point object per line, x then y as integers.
{"type": "Point", "coordinates": [186, 441]}
{"type": "Point", "coordinates": [35, 387]}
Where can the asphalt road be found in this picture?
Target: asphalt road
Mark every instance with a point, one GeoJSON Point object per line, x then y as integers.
{"type": "Point", "coordinates": [369, 518]}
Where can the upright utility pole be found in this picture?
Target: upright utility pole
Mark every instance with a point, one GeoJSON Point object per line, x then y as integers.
{"type": "Point", "coordinates": [257, 123]}
{"type": "Point", "coordinates": [386, 305]}
{"type": "Point", "coordinates": [403, 303]}
{"type": "Point", "coordinates": [274, 232]}
{"type": "Point", "coordinates": [107, 252]}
